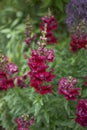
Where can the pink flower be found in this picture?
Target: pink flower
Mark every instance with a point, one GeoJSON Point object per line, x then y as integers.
{"type": "Point", "coordinates": [50, 55]}
{"type": "Point", "coordinates": [82, 113]}
{"type": "Point", "coordinates": [66, 87]}
{"type": "Point", "coordinates": [11, 68]}
{"type": "Point", "coordinates": [29, 40]}
{"type": "Point", "coordinates": [24, 123]}
{"type": "Point", "coordinates": [31, 121]}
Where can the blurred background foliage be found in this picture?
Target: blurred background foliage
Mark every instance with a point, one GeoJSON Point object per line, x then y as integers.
{"type": "Point", "coordinates": [13, 15]}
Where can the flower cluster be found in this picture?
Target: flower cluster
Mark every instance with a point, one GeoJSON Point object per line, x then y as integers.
{"type": "Point", "coordinates": [78, 42]}
{"type": "Point", "coordinates": [76, 11]}
{"type": "Point", "coordinates": [39, 74]}
{"type": "Point", "coordinates": [7, 71]}
{"type": "Point", "coordinates": [23, 123]}
{"type": "Point", "coordinates": [5, 82]}
{"type": "Point", "coordinates": [82, 113]}
{"type": "Point", "coordinates": [66, 87]}
{"type": "Point", "coordinates": [38, 63]}
{"type": "Point", "coordinates": [11, 68]}
{"type": "Point", "coordinates": [51, 25]}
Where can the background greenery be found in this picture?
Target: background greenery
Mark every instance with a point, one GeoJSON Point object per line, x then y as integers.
{"type": "Point", "coordinates": [13, 14]}
{"type": "Point", "coordinates": [52, 112]}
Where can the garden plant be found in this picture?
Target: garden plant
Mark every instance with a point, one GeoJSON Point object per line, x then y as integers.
{"type": "Point", "coordinates": [43, 67]}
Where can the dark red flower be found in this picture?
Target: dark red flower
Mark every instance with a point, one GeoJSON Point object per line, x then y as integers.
{"type": "Point", "coordinates": [7, 71]}
{"type": "Point", "coordinates": [85, 83]}
{"type": "Point", "coordinates": [78, 42]}
{"type": "Point", "coordinates": [52, 24]}
{"type": "Point", "coordinates": [28, 40]}
{"type": "Point", "coordinates": [51, 21]}
{"type": "Point", "coordinates": [5, 82]}
{"type": "Point", "coordinates": [45, 89]}
{"type": "Point", "coordinates": [38, 70]}
{"type": "Point", "coordinates": [82, 113]}
{"type": "Point", "coordinates": [66, 87]}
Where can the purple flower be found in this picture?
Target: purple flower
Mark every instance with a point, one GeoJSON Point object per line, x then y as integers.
{"type": "Point", "coordinates": [76, 11]}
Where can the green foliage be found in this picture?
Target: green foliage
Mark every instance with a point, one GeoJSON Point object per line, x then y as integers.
{"type": "Point", "coordinates": [13, 15]}
{"type": "Point", "coordinates": [48, 113]}
{"type": "Point", "coordinates": [51, 111]}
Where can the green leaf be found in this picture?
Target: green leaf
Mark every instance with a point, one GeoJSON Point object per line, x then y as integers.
{"type": "Point", "coordinates": [37, 108]}
{"type": "Point", "coordinates": [66, 107]}
{"type": "Point", "coordinates": [84, 93]}
{"type": "Point", "coordinates": [5, 30]}
{"type": "Point", "coordinates": [15, 23]}
{"type": "Point", "coordinates": [46, 3]}
{"type": "Point", "coordinates": [59, 4]}
{"type": "Point", "coordinates": [46, 117]}
{"type": "Point", "coordinates": [68, 123]}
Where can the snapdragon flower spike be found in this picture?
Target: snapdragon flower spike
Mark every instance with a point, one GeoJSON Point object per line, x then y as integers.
{"type": "Point", "coordinates": [82, 113]}
{"type": "Point", "coordinates": [66, 88]}
{"type": "Point", "coordinates": [78, 42]}
{"type": "Point", "coordinates": [40, 77]}
{"type": "Point", "coordinates": [23, 123]}
{"type": "Point", "coordinates": [7, 71]}
{"type": "Point", "coordinates": [52, 24]}
{"type": "Point", "coordinates": [39, 73]}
